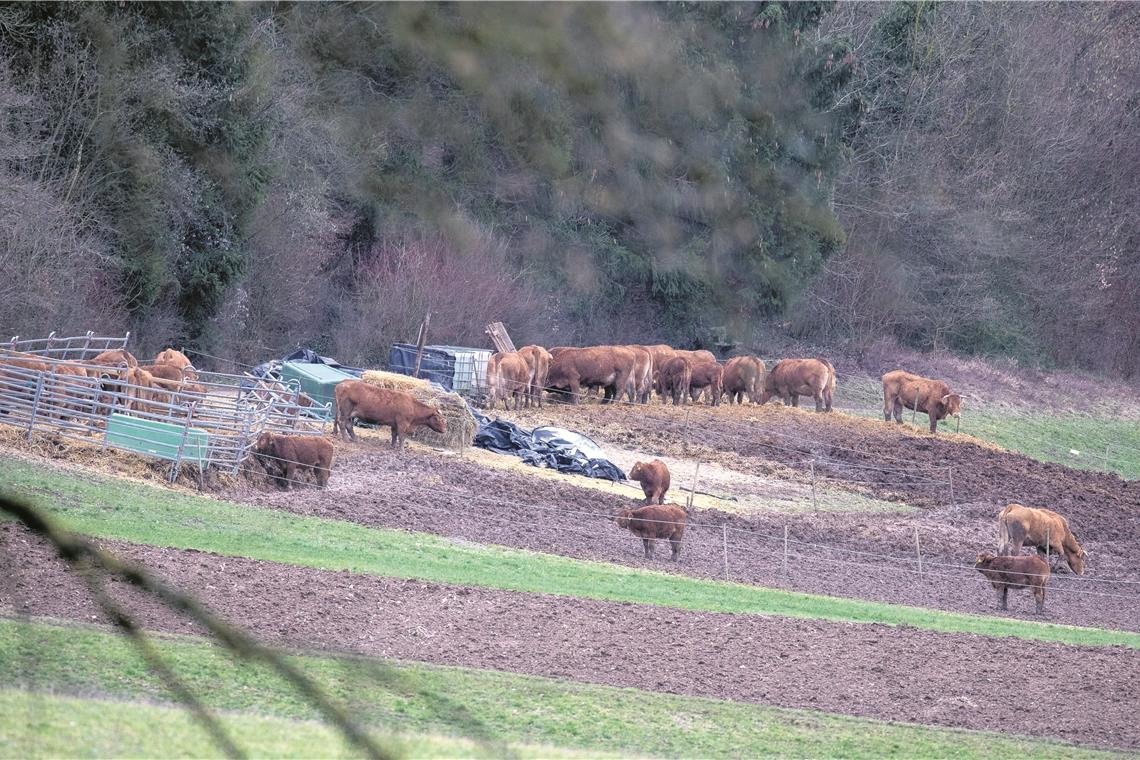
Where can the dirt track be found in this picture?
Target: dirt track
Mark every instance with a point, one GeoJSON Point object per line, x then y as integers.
{"type": "Point", "coordinates": [1082, 695]}
{"type": "Point", "coordinates": [459, 498]}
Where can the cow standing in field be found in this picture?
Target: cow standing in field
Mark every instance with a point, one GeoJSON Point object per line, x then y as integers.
{"type": "Point", "coordinates": [1024, 571]}
{"type": "Point", "coordinates": [743, 375]}
{"type": "Point", "coordinates": [114, 358]}
{"type": "Point", "coordinates": [902, 390]}
{"type": "Point", "coordinates": [654, 479]}
{"type": "Point", "coordinates": [508, 376]}
{"type": "Point", "coordinates": [655, 521]}
{"type": "Point", "coordinates": [707, 375]}
{"type": "Point", "coordinates": [674, 380]}
{"type": "Point", "coordinates": [1043, 529]}
{"type": "Point", "coordinates": [356, 399]}
{"type": "Point", "coordinates": [640, 383]}
{"type": "Point", "coordinates": [284, 456]}
{"type": "Point", "coordinates": [576, 369]}
{"type": "Point", "coordinates": [538, 361]}
{"type": "Point", "coordinates": [792, 378]}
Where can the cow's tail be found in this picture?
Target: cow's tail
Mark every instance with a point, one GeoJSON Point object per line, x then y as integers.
{"type": "Point", "coordinates": [1003, 529]}
{"type": "Point", "coordinates": [830, 374]}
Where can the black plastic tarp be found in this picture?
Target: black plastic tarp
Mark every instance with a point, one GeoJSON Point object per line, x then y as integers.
{"type": "Point", "coordinates": [437, 366]}
{"type": "Point", "coordinates": [300, 355]}
{"type": "Point", "coordinates": [557, 448]}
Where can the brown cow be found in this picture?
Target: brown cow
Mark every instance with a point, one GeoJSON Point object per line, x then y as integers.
{"type": "Point", "coordinates": [1044, 529]}
{"type": "Point", "coordinates": [674, 380]}
{"type": "Point", "coordinates": [708, 375]}
{"type": "Point", "coordinates": [508, 376]}
{"type": "Point", "coordinates": [654, 479]}
{"type": "Point", "coordinates": [171, 373]}
{"type": "Point", "coordinates": [283, 456]}
{"type": "Point", "coordinates": [640, 383]}
{"type": "Point", "coordinates": [661, 354]}
{"type": "Point", "coordinates": [743, 375]}
{"type": "Point", "coordinates": [792, 378]}
{"type": "Point", "coordinates": [113, 358]}
{"type": "Point", "coordinates": [356, 399]}
{"type": "Point", "coordinates": [607, 367]}
{"type": "Point", "coordinates": [538, 361]}
{"type": "Point", "coordinates": [696, 357]}
{"type": "Point", "coordinates": [653, 522]}
{"type": "Point", "coordinates": [1024, 571]}
{"type": "Point", "coordinates": [177, 359]}
{"type": "Point", "coordinates": [902, 390]}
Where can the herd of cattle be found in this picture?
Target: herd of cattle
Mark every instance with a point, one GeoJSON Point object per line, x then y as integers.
{"type": "Point", "coordinates": [569, 374]}
{"type": "Point", "coordinates": [168, 378]}
{"type": "Point", "coordinates": [636, 372]}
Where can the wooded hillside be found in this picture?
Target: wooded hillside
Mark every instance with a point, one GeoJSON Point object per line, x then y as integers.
{"type": "Point", "coordinates": [241, 178]}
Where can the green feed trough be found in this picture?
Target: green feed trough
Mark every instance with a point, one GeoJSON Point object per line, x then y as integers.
{"type": "Point", "coordinates": [317, 381]}
{"type": "Point", "coordinates": [158, 439]}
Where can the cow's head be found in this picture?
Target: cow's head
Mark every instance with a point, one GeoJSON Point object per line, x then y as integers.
{"type": "Point", "coordinates": [623, 518]}
{"type": "Point", "coordinates": [983, 559]}
{"type": "Point", "coordinates": [1076, 559]}
{"type": "Point", "coordinates": [437, 423]}
{"type": "Point", "coordinates": [952, 405]}
{"type": "Point", "coordinates": [264, 443]}
{"type": "Point", "coordinates": [638, 469]}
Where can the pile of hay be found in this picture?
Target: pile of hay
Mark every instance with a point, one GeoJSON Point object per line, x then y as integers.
{"type": "Point", "coordinates": [461, 425]}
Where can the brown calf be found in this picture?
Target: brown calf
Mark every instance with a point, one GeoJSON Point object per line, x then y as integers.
{"type": "Point", "coordinates": [537, 361]}
{"type": "Point", "coordinates": [743, 375]}
{"type": "Point", "coordinates": [653, 522]}
{"type": "Point", "coordinates": [792, 378]}
{"type": "Point", "coordinates": [283, 455]}
{"type": "Point", "coordinates": [356, 399]}
{"type": "Point", "coordinates": [177, 359]}
{"type": "Point", "coordinates": [654, 479]}
{"type": "Point", "coordinates": [1043, 529]}
{"type": "Point", "coordinates": [708, 375]}
{"type": "Point", "coordinates": [902, 390]}
{"type": "Point", "coordinates": [1022, 571]}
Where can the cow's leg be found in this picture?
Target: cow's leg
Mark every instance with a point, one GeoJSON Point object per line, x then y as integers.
{"type": "Point", "coordinates": [395, 434]}
{"type": "Point", "coordinates": [818, 396]}
{"type": "Point", "coordinates": [933, 424]}
{"type": "Point", "coordinates": [675, 543]}
{"type": "Point", "coordinates": [290, 475]}
{"type": "Point", "coordinates": [1039, 596]}
{"type": "Point", "coordinates": [1003, 596]}
{"type": "Point", "coordinates": [348, 425]}
{"type": "Point", "coordinates": [648, 545]}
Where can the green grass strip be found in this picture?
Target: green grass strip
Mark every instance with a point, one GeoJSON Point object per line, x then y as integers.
{"type": "Point", "coordinates": [117, 509]}
{"type": "Point", "coordinates": [435, 700]}
{"type": "Point", "coordinates": [41, 725]}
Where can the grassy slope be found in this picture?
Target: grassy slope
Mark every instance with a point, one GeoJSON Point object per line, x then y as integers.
{"type": "Point", "coordinates": [1047, 437]}
{"type": "Point", "coordinates": [49, 725]}
{"type": "Point", "coordinates": [149, 515]}
{"type": "Point", "coordinates": [420, 698]}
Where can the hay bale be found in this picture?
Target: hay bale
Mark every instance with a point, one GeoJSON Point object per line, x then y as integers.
{"type": "Point", "coordinates": [461, 425]}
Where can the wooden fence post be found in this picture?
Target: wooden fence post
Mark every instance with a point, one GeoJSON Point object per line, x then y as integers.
{"type": "Point", "coordinates": [814, 501]}
{"type": "Point", "coordinates": [917, 550]}
{"type": "Point", "coordinates": [785, 551]}
{"type": "Point", "coordinates": [693, 488]}
{"type": "Point", "coordinates": [420, 343]}
{"type": "Point", "coordinates": [724, 537]}
{"type": "Point", "coordinates": [950, 477]}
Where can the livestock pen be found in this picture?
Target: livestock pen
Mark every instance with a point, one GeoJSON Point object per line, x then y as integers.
{"type": "Point", "coordinates": [50, 386]}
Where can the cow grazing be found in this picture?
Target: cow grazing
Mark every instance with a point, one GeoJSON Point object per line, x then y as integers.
{"type": "Point", "coordinates": [902, 390]}
{"type": "Point", "coordinates": [177, 359]}
{"type": "Point", "coordinates": [654, 479]}
{"type": "Point", "coordinates": [743, 375]}
{"type": "Point", "coordinates": [1024, 571]}
{"type": "Point", "coordinates": [607, 367]}
{"type": "Point", "coordinates": [538, 361]}
{"type": "Point", "coordinates": [674, 380]}
{"type": "Point", "coordinates": [792, 378]}
{"type": "Point", "coordinates": [284, 456]}
{"type": "Point", "coordinates": [508, 376]}
{"type": "Point", "coordinates": [696, 357]}
{"type": "Point", "coordinates": [356, 399]}
{"type": "Point", "coordinates": [708, 375]}
{"type": "Point", "coordinates": [1044, 529]}
{"type": "Point", "coordinates": [655, 521]}
{"type": "Point", "coordinates": [171, 373]}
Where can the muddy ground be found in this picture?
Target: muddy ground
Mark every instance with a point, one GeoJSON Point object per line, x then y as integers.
{"type": "Point", "coordinates": [456, 497]}
{"type": "Point", "coordinates": [1080, 695]}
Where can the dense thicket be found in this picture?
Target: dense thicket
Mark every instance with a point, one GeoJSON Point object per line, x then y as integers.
{"type": "Point", "coordinates": [239, 178]}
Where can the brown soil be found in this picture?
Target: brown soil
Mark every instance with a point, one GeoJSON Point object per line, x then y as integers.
{"type": "Point", "coordinates": [1083, 695]}
{"type": "Point", "coordinates": [455, 497]}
